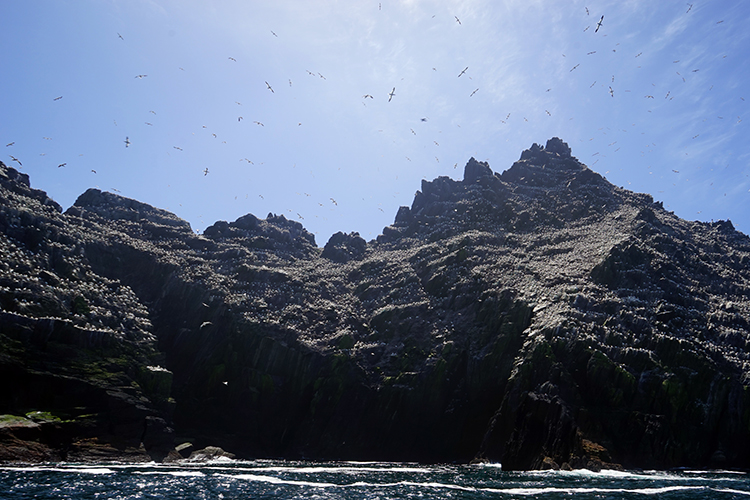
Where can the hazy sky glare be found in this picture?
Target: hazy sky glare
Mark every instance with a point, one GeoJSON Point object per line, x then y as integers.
{"type": "Point", "coordinates": [673, 124]}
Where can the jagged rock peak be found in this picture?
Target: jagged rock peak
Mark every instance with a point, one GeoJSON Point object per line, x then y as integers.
{"type": "Point", "coordinates": [551, 166]}
{"type": "Point", "coordinates": [11, 174]}
{"type": "Point", "coordinates": [475, 170]}
{"type": "Point", "coordinates": [344, 247]}
{"type": "Point", "coordinates": [275, 232]}
{"type": "Point", "coordinates": [14, 180]}
{"type": "Point", "coordinates": [115, 207]}
{"type": "Point", "coordinates": [555, 148]}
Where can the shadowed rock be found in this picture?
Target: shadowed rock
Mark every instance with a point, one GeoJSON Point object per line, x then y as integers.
{"type": "Point", "coordinates": [539, 317]}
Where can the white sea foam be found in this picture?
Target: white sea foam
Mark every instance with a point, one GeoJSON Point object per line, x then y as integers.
{"type": "Point", "coordinates": [277, 480]}
{"type": "Point", "coordinates": [76, 470]}
{"type": "Point", "coordinates": [334, 470]}
{"type": "Point", "coordinates": [525, 491]}
{"type": "Point", "coordinates": [177, 473]}
{"type": "Point", "coordinates": [432, 485]}
{"type": "Point", "coordinates": [609, 473]}
{"type": "Point", "coordinates": [737, 472]}
{"type": "Point", "coordinates": [568, 491]}
{"type": "Point", "coordinates": [360, 484]}
{"type": "Point", "coordinates": [490, 465]}
{"type": "Point", "coordinates": [729, 490]}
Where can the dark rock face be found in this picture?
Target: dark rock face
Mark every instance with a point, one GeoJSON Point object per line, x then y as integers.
{"type": "Point", "coordinates": [344, 247]}
{"type": "Point", "coordinates": [541, 317]}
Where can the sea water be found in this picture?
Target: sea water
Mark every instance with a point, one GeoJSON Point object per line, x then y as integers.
{"type": "Point", "coordinates": [356, 480]}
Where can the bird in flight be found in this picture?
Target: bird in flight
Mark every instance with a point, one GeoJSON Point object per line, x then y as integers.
{"type": "Point", "coordinates": [205, 171]}
{"type": "Point", "coordinates": [239, 118]}
{"type": "Point", "coordinates": [180, 149]}
{"type": "Point", "coordinates": [334, 202]}
{"type": "Point", "coordinates": [366, 96]}
{"type": "Point", "coordinates": [464, 71]}
{"type": "Point", "coordinates": [587, 10]}
{"type": "Point", "coordinates": [233, 59]}
{"type": "Point", "coordinates": [269, 87]}
{"type": "Point", "coordinates": [690, 6]}
{"type": "Point", "coordinates": [457, 19]}
{"type": "Point", "coordinates": [57, 98]}
{"type": "Point", "coordinates": [147, 123]}
{"type": "Point", "coordinates": [141, 76]}
{"type": "Point", "coordinates": [274, 34]}
{"type": "Point", "coordinates": [393, 92]}
{"type": "Point", "coordinates": [127, 142]}
{"type": "Point", "coordinates": [259, 123]}
{"type": "Point", "coordinates": [423, 119]}
{"type": "Point", "coordinates": [475, 91]}
{"type": "Point", "coordinates": [16, 160]}
{"type": "Point", "coordinates": [121, 38]}
{"type": "Point", "coordinates": [599, 24]}
{"type": "Point", "coordinates": [61, 165]}
{"type": "Point", "coordinates": [10, 144]}
{"type": "Point", "coordinates": [574, 67]}
{"type": "Point", "coordinates": [94, 171]}
{"type": "Point", "coordinates": [611, 92]}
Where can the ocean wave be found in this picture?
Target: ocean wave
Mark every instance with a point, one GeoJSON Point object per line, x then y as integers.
{"type": "Point", "coordinates": [629, 475]}
{"type": "Point", "coordinates": [177, 473]}
{"type": "Point", "coordinates": [523, 491]}
{"type": "Point", "coordinates": [489, 465]}
{"type": "Point", "coordinates": [334, 470]}
{"type": "Point", "coordinates": [358, 484]}
{"type": "Point", "coordinates": [568, 491]}
{"type": "Point", "coordinates": [732, 491]}
{"type": "Point", "coordinates": [74, 470]}
{"type": "Point", "coordinates": [277, 480]}
{"type": "Point", "coordinates": [716, 471]}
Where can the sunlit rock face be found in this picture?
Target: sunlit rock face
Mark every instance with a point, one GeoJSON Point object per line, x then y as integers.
{"type": "Point", "coordinates": [540, 317]}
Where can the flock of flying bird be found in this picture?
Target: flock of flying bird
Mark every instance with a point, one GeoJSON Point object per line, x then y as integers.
{"type": "Point", "coordinates": [127, 142]}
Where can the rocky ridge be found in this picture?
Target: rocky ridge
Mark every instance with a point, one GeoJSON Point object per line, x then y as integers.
{"type": "Point", "coordinates": [541, 317]}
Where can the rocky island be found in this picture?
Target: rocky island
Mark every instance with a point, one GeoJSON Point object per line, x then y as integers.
{"type": "Point", "coordinates": [540, 318]}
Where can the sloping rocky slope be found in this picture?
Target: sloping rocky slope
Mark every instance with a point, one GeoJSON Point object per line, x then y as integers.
{"type": "Point", "coordinates": [541, 317]}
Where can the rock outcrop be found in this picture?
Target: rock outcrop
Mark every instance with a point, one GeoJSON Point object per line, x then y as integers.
{"type": "Point", "coordinates": [541, 317]}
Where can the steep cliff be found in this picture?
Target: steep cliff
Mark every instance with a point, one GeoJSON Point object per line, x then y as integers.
{"type": "Point", "coordinates": [541, 317]}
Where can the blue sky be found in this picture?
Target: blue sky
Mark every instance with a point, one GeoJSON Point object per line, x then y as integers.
{"type": "Point", "coordinates": [656, 100]}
